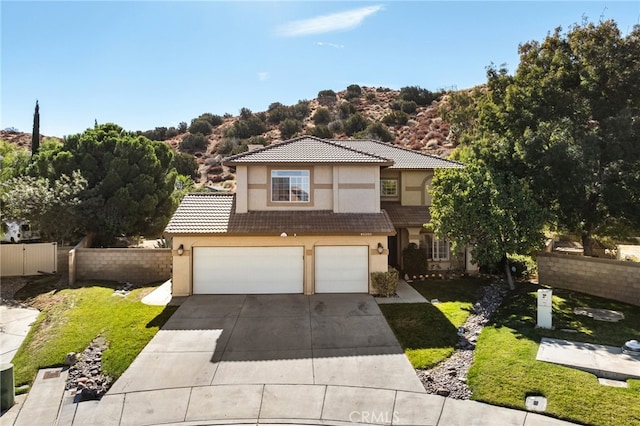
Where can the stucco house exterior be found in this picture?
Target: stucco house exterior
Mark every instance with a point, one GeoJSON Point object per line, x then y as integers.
{"type": "Point", "coordinates": [309, 216]}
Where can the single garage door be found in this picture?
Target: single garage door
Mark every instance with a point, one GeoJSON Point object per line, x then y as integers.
{"type": "Point", "coordinates": [342, 269]}
{"type": "Point", "coordinates": [247, 270]}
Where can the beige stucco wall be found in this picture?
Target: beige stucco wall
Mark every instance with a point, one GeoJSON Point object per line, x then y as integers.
{"type": "Point", "coordinates": [182, 265]}
{"type": "Point", "coordinates": [413, 185]}
{"type": "Point", "coordinates": [356, 189]}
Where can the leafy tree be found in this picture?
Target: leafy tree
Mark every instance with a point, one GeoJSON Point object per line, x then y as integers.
{"type": "Point", "coordinates": [43, 204]}
{"type": "Point", "coordinates": [277, 112]}
{"type": "Point", "coordinates": [245, 113]}
{"type": "Point", "coordinates": [300, 110]}
{"type": "Point", "coordinates": [290, 127]}
{"type": "Point", "coordinates": [200, 125]}
{"type": "Point", "coordinates": [492, 210]}
{"type": "Point", "coordinates": [322, 116]}
{"type": "Point", "coordinates": [14, 161]}
{"type": "Point", "coordinates": [35, 134]}
{"type": "Point", "coordinates": [129, 179]}
{"type": "Point", "coordinates": [185, 164]}
{"type": "Point", "coordinates": [182, 127]}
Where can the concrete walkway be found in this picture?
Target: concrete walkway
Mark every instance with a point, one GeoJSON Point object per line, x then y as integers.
{"type": "Point", "coordinates": [281, 359]}
{"type": "Point", "coordinates": [15, 322]}
{"type": "Point", "coordinates": [404, 294]}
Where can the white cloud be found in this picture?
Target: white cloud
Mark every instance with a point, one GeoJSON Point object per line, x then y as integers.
{"type": "Point", "coordinates": [322, 43]}
{"type": "Point", "coordinates": [323, 24]}
{"type": "Point", "coordinates": [263, 76]}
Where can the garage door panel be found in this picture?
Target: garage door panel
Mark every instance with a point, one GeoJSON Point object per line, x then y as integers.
{"type": "Point", "coordinates": [342, 269]}
{"type": "Point", "coordinates": [247, 270]}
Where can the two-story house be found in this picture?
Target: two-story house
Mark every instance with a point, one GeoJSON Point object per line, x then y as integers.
{"type": "Point", "coordinates": [309, 216]}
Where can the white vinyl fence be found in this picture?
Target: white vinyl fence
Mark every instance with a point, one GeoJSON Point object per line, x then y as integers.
{"type": "Point", "coordinates": [28, 259]}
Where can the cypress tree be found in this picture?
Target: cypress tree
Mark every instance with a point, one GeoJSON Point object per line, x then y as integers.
{"type": "Point", "coordinates": [35, 135]}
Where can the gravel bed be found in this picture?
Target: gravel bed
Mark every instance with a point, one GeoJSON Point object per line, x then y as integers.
{"type": "Point", "coordinates": [86, 380]}
{"type": "Point", "coordinates": [449, 378]}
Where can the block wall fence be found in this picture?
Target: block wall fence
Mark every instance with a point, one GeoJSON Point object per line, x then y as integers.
{"type": "Point", "coordinates": [135, 265]}
{"type": "Point", "coordinates": [611, 279]}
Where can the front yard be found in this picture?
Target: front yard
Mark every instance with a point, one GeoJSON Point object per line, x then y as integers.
{"type": "Point", "coordinates": [71, 318]}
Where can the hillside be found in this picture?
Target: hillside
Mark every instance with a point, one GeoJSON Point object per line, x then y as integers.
{"type": "Point", "coordinates": [388, 114]}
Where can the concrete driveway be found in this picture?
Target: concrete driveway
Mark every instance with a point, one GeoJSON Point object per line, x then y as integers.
{"type": "Point", "coordinates": [257, 357]}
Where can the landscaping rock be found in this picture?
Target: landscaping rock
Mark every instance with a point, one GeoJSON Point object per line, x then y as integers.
{"type": "Point", "coordinates": [70, 359]}
{"type": "Point", "coordinates": [86, 380]}
{"type": "Point", "coordinates": [449, 378]}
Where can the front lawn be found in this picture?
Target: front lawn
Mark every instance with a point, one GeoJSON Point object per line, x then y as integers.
{"type": "Point", "coordinates": [428, 333]}
{"type": "Point", "coordinates": [505, 371]}
{"type": "Point", "coordinates": [71, 318]}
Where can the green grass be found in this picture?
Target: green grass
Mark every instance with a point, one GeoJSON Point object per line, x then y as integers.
{"type": "Point", "coordinates": [505, 371]}
{"type": "Point", "coordinates": [428, 333]}
{"type": "Point", "coordinates": [71, 318]}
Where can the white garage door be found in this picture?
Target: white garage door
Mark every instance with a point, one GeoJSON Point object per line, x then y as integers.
{"type": "Point", "coordinates": [342, 269]}
{"type": "Point", "coordinates": [247, 270]}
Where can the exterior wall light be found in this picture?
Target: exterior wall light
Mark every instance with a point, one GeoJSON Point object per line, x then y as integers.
{"type": "Point", "coordinates": [180, 250]}
{"type": "Point", "coordinates": [380, 248]}
{"type": "Point", "coordinates": [283, 235]}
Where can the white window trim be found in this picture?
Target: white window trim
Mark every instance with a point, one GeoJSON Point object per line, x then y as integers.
{"type": "Point", "coordinates": [382, 194]}
{"type": "Point", "coordinates": [308, 178]}
{"type": "Point", "coordinates": [436, 244]}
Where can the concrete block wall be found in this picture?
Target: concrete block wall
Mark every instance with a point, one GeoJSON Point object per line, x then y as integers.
{"type": "Point", "coordinates": [135, 265]}
{"type": "Point", "coordinates": [611, 279]}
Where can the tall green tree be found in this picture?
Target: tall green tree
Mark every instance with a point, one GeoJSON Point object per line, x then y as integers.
{"type": "Point", "coordinates": [129, 179]}
{"type": "Point", "coordinates": [491, 210]}
{"type": "Point", "coordinates": [35, 134]}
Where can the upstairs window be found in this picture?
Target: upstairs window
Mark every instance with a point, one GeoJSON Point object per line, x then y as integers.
{"type": "Point", "coordinates": [388, 187]}
{"type": "Point", "coordinates": [290, 186]}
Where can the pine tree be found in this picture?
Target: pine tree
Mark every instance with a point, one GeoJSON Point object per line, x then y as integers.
{"type": "Point", "coordinates": [35, 135]}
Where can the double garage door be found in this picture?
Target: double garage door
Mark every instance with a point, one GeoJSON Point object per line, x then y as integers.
{"type": "Point", "coordinates": [273, 270]}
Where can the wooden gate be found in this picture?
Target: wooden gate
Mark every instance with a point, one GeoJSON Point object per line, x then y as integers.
{"type": "Point", "coordinates": [28, 259]}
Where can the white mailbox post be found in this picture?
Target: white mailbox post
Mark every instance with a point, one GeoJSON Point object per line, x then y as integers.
{"type": "Point", "coordinates": [544, 308]}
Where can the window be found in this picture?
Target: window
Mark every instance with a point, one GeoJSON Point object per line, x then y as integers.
{"type": "Point", "coordinates": [437, 248]}
{"type": "Point", "coordinates": [290, 185]}
{"type": "Point", "coordinates": [388, 187]}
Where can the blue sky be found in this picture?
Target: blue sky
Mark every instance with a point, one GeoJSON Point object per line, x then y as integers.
{"type": "Point", "coordinates": [157, 63]}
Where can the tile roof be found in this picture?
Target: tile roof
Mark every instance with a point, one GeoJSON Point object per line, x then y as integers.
{"type": "Point", "coordinates": [307, 149]}
{"type": "Point", "coordinates": [403, 158]}
{"type": "Point", "coordinates": [202, 213]}
{"type": "Point", "coordinates": [403, 216]}
{"type": "Point", "coordinates": [207, 213]}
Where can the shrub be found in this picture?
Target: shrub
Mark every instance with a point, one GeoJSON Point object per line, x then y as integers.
{"type": "Point", "coordinates": [355, 123]}
{"type": "Point", "coordinates": [194, 142]}
{"type": "Point", "coordinates": [289, 127]}
{"type": "Point", "coordinates": [345, 110]}
{"type": "Point", "coordinates": [257, 140]}
{"type": "Point", "coordinates": [353, 91]}
{"type": "Point", "coordinates": [213, 119]}
{"type": "Point", "coordinates": [182, 127]}
{"type": "Point", "coordinates": [525, 266]}
{"type": "Point", "coordinates": [395, 118]}
{"type": "Point", "coordinates": [246, 128]}
{"type": "Point", "coordinates": [336, 126]}
{"type": "Point", "coordinates": [201, 126]}
{"type": "Point", "coordinates": [323, 132]}
{"type": "Point", "coordinates": [185, 164]}
{"type": "Point", "coordinates": [370, 96]}
{"type": "Point", "coordinates": [322, 116]}
{"type": "Point", "coordinates": [414, 259]}
{"type": "Point", "coordinates": [245, 113]}
{"type": "Point", "coordinates": [277, 113]}
{"type": "Point", "coordinates": [300, 110]}
{"type": "Point", "coordinates": [379, 131]}
{"type": "Point", "coordinates": [327, 97]}
{"type": "Point", "coordinates": [385, 283]}
{"type": "Point", "coordinates": [408, 107]}
{"type": "Point", "coordinates": [226, 146]}
{"type": "Point", "coordinates": [417, 94]}
{"type": "Point", "coordinates": [172, 132]}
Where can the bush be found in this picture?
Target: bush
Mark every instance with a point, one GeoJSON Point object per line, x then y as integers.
{"type": "Point", "coordinates": [182, 127]}
{"type": "Point", "coordinates": [300, 110]}
{"type": "Point", "coordinates": [245, 113]}
{"type": "Point", "coordinates": [355, 123]}
{"type": "Point", "coordinates": [277, 113]}
{"type": "Point", "coordinates": [327, 97]}
{"type": "Point", "coordinates": [213, 119]}
{"type": "Point", "coordinates": [336, 126]}
{"type": "Point", "coordinates": [185, 164]}
{"type": "Point", "coordinates": [525, 266]}
{"type": "Point", "coordinates": [418, 95]}
{"type": "Point", "coordinates": [353, 91]}
{"type": "Point", "coordinates": [396, 118]}
{"type": "Point", "coordinates": [385, 283]}
{"type": "Point", "coordinates": [414, 259]}
{"type": "Point", "coordinates": [226, 146]}
{"type": "Point", "coordinates": [408, 107]}
{"type": "Point", "coordinates": [345, 110]}
{"type": "Point", "coordinates": [322, 116]}
{"type": "Point", "coordinates": [323, 132]}
{"type": "Point", "coordinates": [289, 127]}
{"type": "Point", "coordinates": [194, 142]}
{"type": "Point", "coordinates": [380, 132]}
{"type": "Point", "coordinates": [172, 132]}
{"type": "Point", "coordinates": [201, 126]}
{"type": "Point", "coordinates": [246, 128]}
